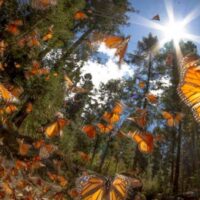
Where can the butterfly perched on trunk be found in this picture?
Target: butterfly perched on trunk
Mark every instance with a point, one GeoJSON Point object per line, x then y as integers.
{"type": "Point", "coordinates": [96, 187]}
{"type": "Point", "coordinates": [189, 86]}
{"type": "Point", "coordinates": [172, 119]}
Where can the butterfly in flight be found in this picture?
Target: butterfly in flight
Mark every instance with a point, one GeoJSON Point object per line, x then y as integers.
{"type": "Point", "coordinates": [189, 86]}
{"type": "Point", "coordinates": [96, 187]}
{"type": "Point", "coordinates": [140, 117]}
{"type": "Point", "coordinates": [156, 17]}
{"type": "Point", "coordinates": [113, 116]}
{"type": "Point", "coordinates": [144, 140]}
{"type": "Point", "coordinates": [173, 119]}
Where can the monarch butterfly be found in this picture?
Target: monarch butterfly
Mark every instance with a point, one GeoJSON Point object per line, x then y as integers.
{"type": "Point", "coordinates": [142, 84]}
{"type": "Point", "coordinates": [96, 187]}
{"type": "Point", "coordinates": [84, 156]}
{"type": "Point", "coordinates": [31, 41]}
{"type": "Point", "coordinates": [36, 70]}
{"type": "Point", "coordinates": [43, 4]}
{"type": "Point", "coordinates": [46, 150]}
{"type": "Point", "coordinates": [89, 130]}
{"type": "Point", "coordinates": [68, 82]}
{"type": "Point", "coordinates": [114, 115]}
{"type": "Point", "coordinates": [70, 86]}
{"type": "Point", "coordinates": [156, 17]}
{"type": "Point", "coordinates": [111, 117]}
{"type": "Point", "coordinates": [189, 86]}
{"type": "Point", "coordinates": [13, 27]}
{"type": "Point", "coordinates": [79, 15]}
{"type": "Point", "coordinates": [119, 43]}
{"type": "Point", "coordinates": [3, 46]}
{"type": "Point", "coordinates": [8, 109]}
{"type": "Point", "coordinates": [56, 127]}
{"type": "Point", "coordinates": [49, 34]}
{"type": "Point", "coordinates": [105, 128]}
{"type": "Point", "coordinates": [172, 120]}
{"type": "Point", "coordinates": [141, 117]}
{"type": "Point", "coordinates": [29, 107]}
{"type": "Point", "coordinates": [114, 42]}
{"type": "Point", "coordinates": [151, 98]}
{"type": "Point", "coordinates": [144, 140]}
{"type": "Point", "coordinates": [9, 93]}
{"type": "Point", "coordinates": [60, 179]}
{"type": "Point", "coordinates": [23, 147]}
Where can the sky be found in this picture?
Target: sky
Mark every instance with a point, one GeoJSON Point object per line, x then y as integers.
{"type": "Point", "coordinates": [149, 8]}
{"type": "Point", "coordinates": [109, 69]}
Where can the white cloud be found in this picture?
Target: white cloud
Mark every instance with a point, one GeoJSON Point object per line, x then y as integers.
{"type": "Point", "coordinates": [102, 73]}
{"type": "Point", "coordinates": [165, 81]}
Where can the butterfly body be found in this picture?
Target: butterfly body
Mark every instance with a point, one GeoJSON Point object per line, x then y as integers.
{"type": "Point", "coordinates": [96, 187]}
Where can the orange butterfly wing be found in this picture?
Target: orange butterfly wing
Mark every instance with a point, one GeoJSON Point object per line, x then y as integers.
{"type": "Point", "coordinates": [141, 84]}
{"type": "Point", "coordinates": [113, 41]}
{"type": "Point", "coordinates": [79, 15]}
{"type": "Point", "coordinates": [152, 98]}
{"type": "Point", "coordinates": [189, 86]}
{"type": "Point", "coordinates": [5, 94]}
{"type": "Point", "coordinates": [89, 130]}
{"type": "Point", "coordinates": [104, 128]}
{"type": "Point", "coordinates": [169, 117]}
{"type": "Point", "coordinates": [143, 140]}
{"type": "Point", "coordinates": [118, 109]}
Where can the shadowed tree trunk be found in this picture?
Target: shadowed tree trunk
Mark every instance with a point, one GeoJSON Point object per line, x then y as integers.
{"type": "Point", "coordinates": [105, 152]}
{"type": "Point", "coordinates": [178, 157]}
{"type": "Point", "coordinates": [96, 144]}
{"type": "Point", "coordinates": [172, 157]}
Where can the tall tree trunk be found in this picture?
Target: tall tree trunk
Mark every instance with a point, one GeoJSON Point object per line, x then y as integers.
{"type": "Point", "coordinates": [76, 44]}
{"type": "Point", "coordinates": [105, 153]}
{"type": "Point", "coordinates": [138, 154]}
{"type": "Point", "coordinates": [96, 144]}
{"type": "Point", "coordinates": [116, 165]}
{"type": "Point", "coordinates": [148, 80]}
{"type": "Point", "coordinates": [178, 157]}
{"type": "Point", "coordinates": [172, 157]}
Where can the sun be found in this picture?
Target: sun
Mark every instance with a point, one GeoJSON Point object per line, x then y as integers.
{"type": "Point", "coordinates": [175, 31]}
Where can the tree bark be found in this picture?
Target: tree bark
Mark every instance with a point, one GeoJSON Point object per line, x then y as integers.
{"type": "Point", "coordinates": [178, 157]}
{"type": "Point", "coordinates": [105, 153]}
{"type": "Point", "coordinates": [95, 149]}
{"type": "Point", "coordinates": [137, 152]}
{"type": "Point", "coordinates": [172, 157]}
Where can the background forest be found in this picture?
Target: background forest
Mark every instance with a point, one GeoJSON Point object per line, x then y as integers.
{"type": "Point", "coordinates": [56, 125]}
